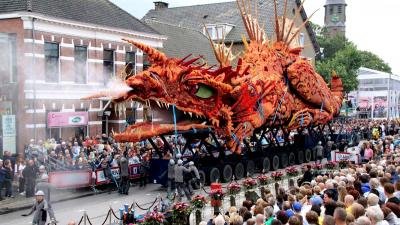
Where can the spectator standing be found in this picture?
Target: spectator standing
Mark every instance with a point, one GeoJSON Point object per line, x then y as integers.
{"type": "Point", "coordinates": [19, 167]}
{"type": "Point", "coordinates": [2, 175]}
{"type": "Point", "coordinates": [29, 173]}
{"type": "Point", "coordinates": [8, 178]}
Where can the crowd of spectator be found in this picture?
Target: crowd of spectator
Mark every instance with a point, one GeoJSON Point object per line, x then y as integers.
{"type": "Point", "coordinates": [365, 194]}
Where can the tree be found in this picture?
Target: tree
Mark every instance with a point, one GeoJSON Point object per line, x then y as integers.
{"type": "Point", "coordinates": [343, 57]}
{"type": "Point", "coordinates": [372, 61]}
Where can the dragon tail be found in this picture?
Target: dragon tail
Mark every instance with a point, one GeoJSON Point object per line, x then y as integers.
{"type": "Point", "coordinates": [337, 91]}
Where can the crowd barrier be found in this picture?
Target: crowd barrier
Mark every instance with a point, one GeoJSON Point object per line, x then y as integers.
{"type": "Point", "coordinates": [87, 178]}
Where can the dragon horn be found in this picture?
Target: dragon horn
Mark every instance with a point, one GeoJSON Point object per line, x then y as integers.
{"type": "Point", "coordinates": [153, 53]}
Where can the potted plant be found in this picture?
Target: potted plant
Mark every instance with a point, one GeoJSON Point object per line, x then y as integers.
{"type": "Point", "coordinates": [330, 165]}
{"type": "Point", "coordinates": [216, 196]}
{"type": "Point", "coordinates": [233, 190]}
{"type": "Point", "coordinates": [277, 175]}
{"type": "Point", "coordinates": [263, 180]}
{"type": "Point", "coordinates": [180, 213]}
{"type": "Point", "coordinates": [198, 202]}
{"type": "Point", "coordinates": [153, 218]}
{"type": "Point", "coordinates": [292, 171]}
{"type": "Point", "coordinates": [249, 183]}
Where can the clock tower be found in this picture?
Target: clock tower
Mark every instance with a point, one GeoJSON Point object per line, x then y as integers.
{"type": "Point", "coordinates": [335, 17]}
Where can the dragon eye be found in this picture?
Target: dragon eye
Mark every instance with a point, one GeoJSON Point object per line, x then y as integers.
{"type": "Point", "coordinates": [204, 91]}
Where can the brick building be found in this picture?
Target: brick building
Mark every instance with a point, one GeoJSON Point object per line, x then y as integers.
{"type": "Point", "coordinates": [57, 52]}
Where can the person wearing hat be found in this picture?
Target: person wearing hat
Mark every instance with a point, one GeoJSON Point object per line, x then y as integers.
{"type": "Point", "coordinates": [42, 184]}
{"type": "Point", "coordinates": [171, 177]}
{"type": "Point", "coordinates": [180, 170]}
{"type": "Point", "coordinates": [40, 210]}
{"type": "Point", "coordinates": [193, 183]}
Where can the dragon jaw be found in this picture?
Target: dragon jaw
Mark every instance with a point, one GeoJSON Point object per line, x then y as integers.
{"type": "Point", "coordinates": [194, 90]}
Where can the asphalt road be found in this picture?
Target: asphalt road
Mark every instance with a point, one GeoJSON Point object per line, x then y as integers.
{"type": "Point", "coordinates": [96, 206]}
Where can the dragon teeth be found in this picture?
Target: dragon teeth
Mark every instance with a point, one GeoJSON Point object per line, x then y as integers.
{"type": "Point", "coordinates": [190, 113]}
{"type": "Point", "coordinates": [158, 103]}
{"type": "Point", "coordinates": [203, 123]}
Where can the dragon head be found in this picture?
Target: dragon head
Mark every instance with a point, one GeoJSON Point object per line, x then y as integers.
{"type": "Point", "coordinates": [195, 90]}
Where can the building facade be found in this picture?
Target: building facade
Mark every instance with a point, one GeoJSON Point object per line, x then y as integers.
{"type": "Point", "coordinates": [378, 94]}
{"type": "Point", "coordinates": [57, 54]}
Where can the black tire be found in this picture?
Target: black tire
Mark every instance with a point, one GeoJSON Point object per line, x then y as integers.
{"type": "Point", "coordinates": [227, 173]}
{"type": "Point", "coordinates": [215, 175]}
{"type": "Point", "coordinates": [239, 171]}
{"type": "Point", "coordinates": [250, 167]}
{"type": "Point", "coordinates": [202, 177]}
{"type": "Point", "coordinates": [307, 155]}
{"type": "Point", "coordinates": [292, 159]}
{"type": "Point", "coordinates": [266, 165]}
{"type": "Point", "coordinates": [300, 157]}
{"type": "Point", "coordinates": [284, 160]}
{"type": "Point", "coordinates": [275, 163]}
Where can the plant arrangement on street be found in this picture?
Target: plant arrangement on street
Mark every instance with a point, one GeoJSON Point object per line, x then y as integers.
{"type": "Point", "coordinates": [153, 218]}
{"type": "Point", "coordinates": [277, 175]}
{"type": "Point", "coordinates": [181, 212]}
{"type": "Point", "coordinates": [233, 188]}
{"type": "Point", "coordinates": [292, 171]}
{"type": "Point", "coordinates": [199, 201]}
{"type": "Point", "coordinates": [217, 194]}
{"type": "Point", "coordinates": [330, 165]}
{"type": "Point", "coordinates": [263, 179]}
{"type": "Point", "coordinates": [249, 183]}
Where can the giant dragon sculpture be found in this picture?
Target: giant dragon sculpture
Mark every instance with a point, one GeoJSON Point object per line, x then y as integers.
{"type": "Point", "coordinates": [271, 85]}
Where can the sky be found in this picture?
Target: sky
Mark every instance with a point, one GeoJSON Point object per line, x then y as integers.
{"type": "Point", "coordinates": [371, 24]}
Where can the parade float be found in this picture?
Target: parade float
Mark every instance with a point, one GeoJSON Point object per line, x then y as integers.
{"type": "Point", "coordinates": [245, 101]}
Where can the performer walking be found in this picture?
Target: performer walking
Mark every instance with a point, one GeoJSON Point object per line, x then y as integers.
{"type": "Point", "coordinates": [171, 177]}
{"type": "Point", "coordinates": [195, 177]}
{"type": "Point", "coordinates": [179, 175]}
{"type": "Point", "coordinates": [40, 210]}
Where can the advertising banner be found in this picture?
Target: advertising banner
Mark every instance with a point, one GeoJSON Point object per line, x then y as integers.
{"type": "Point", "coordinates": [338, 156]}
{"type": "Point", "coordinates": [70, 179]}
{"type": "Point", "coordinates": [9, 133]}
{"type": "Point", "coordinates": [67, 119]}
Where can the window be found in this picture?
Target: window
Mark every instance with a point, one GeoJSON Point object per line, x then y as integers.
{"type": "Point", "coordinates": [52, 63]}
{"type": "Point", "coordinates": [80, 64]}
{"type": "Point", "coordinates": [339, 9]}
{"type": "Point", "coordinates": [8, 67]}
{"type": "Point", "coordinates": [216, 31]}
{"type": "Point", "coordinates": [331, 10]}
{"type": "Point", "coordinates": [210, 31]}
{"type": "Point", "coordinates": [301, 39]}
{"type": "Point", "coordinates": [146, 61]}
{"type": "Point", "coordinates": [130, 62]}
{"type": "Point", "coordinates": [220, 32]}
{"type": "Point", "coordinates": [108, 64]}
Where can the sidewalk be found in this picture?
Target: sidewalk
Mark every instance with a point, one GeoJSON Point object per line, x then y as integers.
{"type": "Point", "coordinates": [20, 202]}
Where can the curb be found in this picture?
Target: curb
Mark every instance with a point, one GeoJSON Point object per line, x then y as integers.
{"type": "Point", "coordinates": [4, 211]}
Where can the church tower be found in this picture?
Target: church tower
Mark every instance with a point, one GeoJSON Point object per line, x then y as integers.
{"type": "Point", "coordinates": [335, 17]}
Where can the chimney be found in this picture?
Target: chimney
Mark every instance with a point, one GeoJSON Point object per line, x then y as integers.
{"type": "Point", "coordinates": [160, 5]}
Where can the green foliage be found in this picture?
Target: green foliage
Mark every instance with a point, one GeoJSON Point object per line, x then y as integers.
{"type": "Point", "coordinates": [343, 57]}
{"type": "Point", "coordinates": [372, 61]}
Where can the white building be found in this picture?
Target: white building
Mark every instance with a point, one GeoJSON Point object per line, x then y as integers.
{"type": "Point", "coordinates": [378, 94]}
